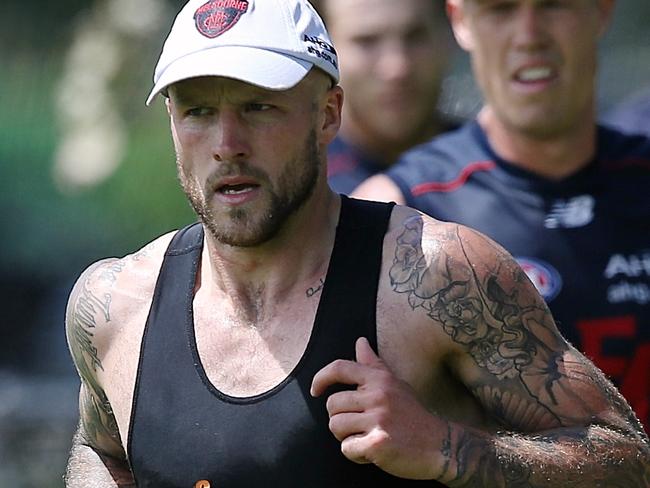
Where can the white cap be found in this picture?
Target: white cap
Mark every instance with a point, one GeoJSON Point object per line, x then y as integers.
{"type": "Point", "coordinates": [269, 43]}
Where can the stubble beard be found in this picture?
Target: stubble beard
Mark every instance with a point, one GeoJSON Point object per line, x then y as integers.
{"type": "Point", "coordinates": [248, 227]}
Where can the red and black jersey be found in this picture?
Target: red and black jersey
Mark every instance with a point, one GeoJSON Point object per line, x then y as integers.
{"type": "Point", "coordinates": [348, 166]}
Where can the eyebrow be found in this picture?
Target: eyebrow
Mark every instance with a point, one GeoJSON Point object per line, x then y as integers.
{"type": "Point", "coordinates": [181, 99]}
{"type": "Point", "coordinates": [188, 98]}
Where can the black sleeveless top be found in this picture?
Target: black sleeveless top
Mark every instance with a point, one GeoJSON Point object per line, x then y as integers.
{"type": "Point", "coordinates": [184, 430]}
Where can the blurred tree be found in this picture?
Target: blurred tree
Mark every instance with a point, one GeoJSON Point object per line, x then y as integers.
{"type": "Point", "coordinates": [58, 232]}
{"type": "Point", "coordinates": [50, 235]}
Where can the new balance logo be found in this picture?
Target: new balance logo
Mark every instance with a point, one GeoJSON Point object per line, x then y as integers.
{"type": "Point", "coordinates": [571, 213]}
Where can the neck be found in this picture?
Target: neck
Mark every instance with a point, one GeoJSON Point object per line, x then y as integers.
{"type": "Point", "coordinates": [384, 151]}
{"type": "Point", "coordinates": [554, 157]}
{"type": "Point", "coordinates": [294, 259]}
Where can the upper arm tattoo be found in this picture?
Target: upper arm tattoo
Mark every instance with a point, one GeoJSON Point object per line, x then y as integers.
{"type": "Point", "coordinates": [86, 307]}
{"type": "Point", "coordinates": [88, 310]}
{"type": "Point", "coordinates": [523, 372]}
{"type": "Point", "coordinates": [509, 333]}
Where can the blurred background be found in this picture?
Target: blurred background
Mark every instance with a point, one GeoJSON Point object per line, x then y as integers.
{"type": "Point", "coordinates": [87, 171]}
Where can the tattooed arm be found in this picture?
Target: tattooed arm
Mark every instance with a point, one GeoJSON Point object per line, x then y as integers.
{"type": "Point", "coordinates": [559, 421]}
{"type": "Point", "coordinates": [520, 369]}
{"type": "Point", "coordinates": [97, 457]}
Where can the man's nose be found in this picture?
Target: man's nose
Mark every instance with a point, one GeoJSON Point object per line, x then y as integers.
{"type": "Point", "coordinates": [231, 137]}
{"type": "Point", "coordinates": [530, 32]}
{"type": "Point", "coordinates": [394, 62]}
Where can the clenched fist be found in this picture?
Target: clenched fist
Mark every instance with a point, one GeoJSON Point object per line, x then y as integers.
{"type": "Point", "coordinates": [381, 421]}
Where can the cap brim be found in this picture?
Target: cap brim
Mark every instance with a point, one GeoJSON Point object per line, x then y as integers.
{"type": "Point", "coordinates": [267, 69]}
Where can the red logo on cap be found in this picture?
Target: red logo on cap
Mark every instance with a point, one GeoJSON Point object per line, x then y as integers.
{"type": "Point", "coordinates": [217, 16]}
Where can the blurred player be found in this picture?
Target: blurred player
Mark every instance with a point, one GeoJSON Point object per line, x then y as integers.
{"type": "Point", "coordinates": [394, 55]}
{"type": "Point", "coordinates": [566, 197]}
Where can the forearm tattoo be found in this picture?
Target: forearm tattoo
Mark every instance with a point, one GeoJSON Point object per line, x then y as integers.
{"type": "Point", "coordinates": [506, 463]}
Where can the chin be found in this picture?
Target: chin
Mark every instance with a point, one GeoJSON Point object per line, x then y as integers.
{"type": "Point", "coordinates": [541, 125]}
{"type": "Point", "coordinates": [544, 130]}
{"type": "Point", "coordinates": [236, 238]}
{"type": "Point", "coordinates": [396, 129]}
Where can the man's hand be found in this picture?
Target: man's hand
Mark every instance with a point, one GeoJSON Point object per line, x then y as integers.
{"type": "Point", "coordinates": [381, 421]}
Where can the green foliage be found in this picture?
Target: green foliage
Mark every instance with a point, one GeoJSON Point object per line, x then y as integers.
{"type": "Point", "coordinates": [52, 233]}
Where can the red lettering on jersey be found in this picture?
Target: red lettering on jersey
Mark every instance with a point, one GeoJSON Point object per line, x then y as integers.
{"type": "Point", "coordinates": [593, 334]}
{"type": "Point", "coordinates": [632, 375]}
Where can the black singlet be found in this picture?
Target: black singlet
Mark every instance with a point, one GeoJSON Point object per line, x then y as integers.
{"type": "Point", "coordinates": [184, 430]}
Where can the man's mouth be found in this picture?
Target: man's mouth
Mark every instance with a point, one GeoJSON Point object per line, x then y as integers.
{"type": "Point", "coordinates": [534, 74]}
{"type": "Point", "coordinates": [236, 189]}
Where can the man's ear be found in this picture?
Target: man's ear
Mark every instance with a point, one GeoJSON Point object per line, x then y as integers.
{"type": "Point", "coordinates": [331, 115]}
{"type": "Point", "coordinates": [458, 21]}
{"type": "Point", "coordinates": [606, 9]}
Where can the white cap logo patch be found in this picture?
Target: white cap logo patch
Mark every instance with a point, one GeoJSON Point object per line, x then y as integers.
{"type": "Point", "coordinates": [217, 16]}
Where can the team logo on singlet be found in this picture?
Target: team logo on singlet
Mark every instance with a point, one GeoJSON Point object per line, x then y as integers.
{"type": "Point", "coordinates": [545, 277]}
{"type": "Point", "coordinates": [217, 16]}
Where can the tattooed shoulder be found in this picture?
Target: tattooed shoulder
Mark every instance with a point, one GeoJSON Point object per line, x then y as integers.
{"type": "Point", "coordinates": [92, 303]}
{"type": "Point", "coordinates": [89, 307]}
{"type": "Point", "coordinates": [464, 281]}
{"type": "Point", "coordinates": [473, 290]}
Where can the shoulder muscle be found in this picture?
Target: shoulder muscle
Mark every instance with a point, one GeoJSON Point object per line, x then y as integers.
{"type": "Point", "coordinates": [104, 297]}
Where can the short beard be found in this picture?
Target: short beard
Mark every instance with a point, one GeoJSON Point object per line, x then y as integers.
{"type": "Point", "coordinates": [295, 186]}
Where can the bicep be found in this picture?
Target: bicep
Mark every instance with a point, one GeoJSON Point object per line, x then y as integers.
{"type": "Point", "coordinates": [502, 342]}
{"type": "Point", "coordinates": [534, 389]}
{"type": "Point", "coordinates": [516, 363]}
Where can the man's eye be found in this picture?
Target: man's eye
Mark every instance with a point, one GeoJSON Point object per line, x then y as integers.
{"type": "Point", "coordinates": [198, 111]}
{"type": "Point", "coordinates": [258, 107]}
{"type": "Point", "coordinates": [366, 41]}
